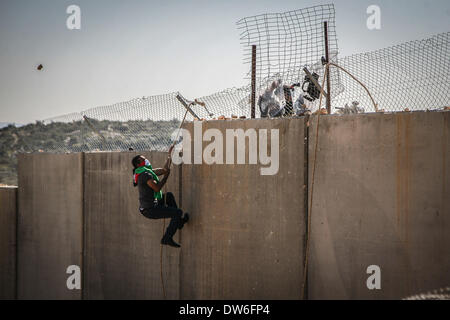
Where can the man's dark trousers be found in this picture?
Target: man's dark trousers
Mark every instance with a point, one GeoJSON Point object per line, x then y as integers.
{"type": "Point", "coordinates": [166, 208]}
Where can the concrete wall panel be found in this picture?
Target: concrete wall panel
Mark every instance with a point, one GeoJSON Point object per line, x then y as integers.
{"type": "Point", "coordinates": [49, 225]}
{"type": "Point", "coordinates": [246, 237]}
{"type": "Point", "coordinates": [380, 198]}
{"type": "Point", "coordinates": [8, 216]}
{"type": "Point", "coordinates": [122, 248]}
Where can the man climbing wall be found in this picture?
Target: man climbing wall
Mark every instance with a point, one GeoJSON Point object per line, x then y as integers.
{"type": "Point", "coordinates": [153, 203]}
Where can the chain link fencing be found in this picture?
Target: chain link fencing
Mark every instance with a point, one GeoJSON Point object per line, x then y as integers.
{"type": "Point", "coordinates": [409, 76]}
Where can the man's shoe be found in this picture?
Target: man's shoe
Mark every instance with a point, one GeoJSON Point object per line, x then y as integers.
{"type": "Point", "coordinates": [170, 242]}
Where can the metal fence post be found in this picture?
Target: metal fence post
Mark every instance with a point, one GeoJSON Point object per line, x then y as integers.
{"type": "Point", "coordinates": [253, 93]}
{"type": "Point", "coordinates": [327, 57]}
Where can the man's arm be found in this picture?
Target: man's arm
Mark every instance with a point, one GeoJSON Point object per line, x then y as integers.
{"type": "Point", "coordinates": [157, 186]}
{"type": "Point", "coordinates": [159, 171]}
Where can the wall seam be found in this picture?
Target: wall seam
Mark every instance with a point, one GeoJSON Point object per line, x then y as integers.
{"type": "Point", "coordinates": [16, 266]}
{"type": "Point", "coordinates": [180, 199]}
{"type": "Point", "coordinates": [305, 196]}
{"type": "Point", "coordinates": [83, 228]}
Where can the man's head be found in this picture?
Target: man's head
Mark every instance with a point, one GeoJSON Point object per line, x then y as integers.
{"type": "Point", "coordinates": [139, 161]}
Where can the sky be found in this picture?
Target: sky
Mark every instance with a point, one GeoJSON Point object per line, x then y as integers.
{"type": "Point", "coordinates": [135, 48]}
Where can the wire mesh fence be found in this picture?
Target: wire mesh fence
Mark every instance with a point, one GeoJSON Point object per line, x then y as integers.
{"type": "Point", "coordinates": [409, 76]}
{"type": "Point", "coordinates": [413, 75]}
{"type": "Point", "coordinates": [147, 123]}
{"type": "Point", "coordinates": [286, 43]}
{"type": "Point", "coordinates": [141, 123]}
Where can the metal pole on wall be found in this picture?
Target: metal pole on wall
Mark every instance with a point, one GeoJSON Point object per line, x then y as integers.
{"type": "Point", "coordinates": [253, 94]}
{"type": "Point", "coordinates": [327, 56]}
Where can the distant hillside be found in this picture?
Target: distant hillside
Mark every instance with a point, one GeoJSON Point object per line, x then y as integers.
{"type": "Point", "coordinates": [5, 124]}
{"type": "Point", "coordinates": [79, 136]}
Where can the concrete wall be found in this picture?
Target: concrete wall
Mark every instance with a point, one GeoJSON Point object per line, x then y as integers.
{"type": "Point", "coordinates": [122, 247]}
{"type": "Point", "coordinates": [245, 240]}
{"type": "Point", "coordinates": [8, 216]}
{"type": "Point", "coordinates": [49, 225]}
{"type": "Point", "coordinates": [380, 198]}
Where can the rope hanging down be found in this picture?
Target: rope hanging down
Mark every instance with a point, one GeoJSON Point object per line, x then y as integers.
{"type": "Point", "coordinates": [161, 262]}
{"type": "Point", "coordinates": [188, 108]}
{"type": "Point", "coordinates": [316, 144]}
